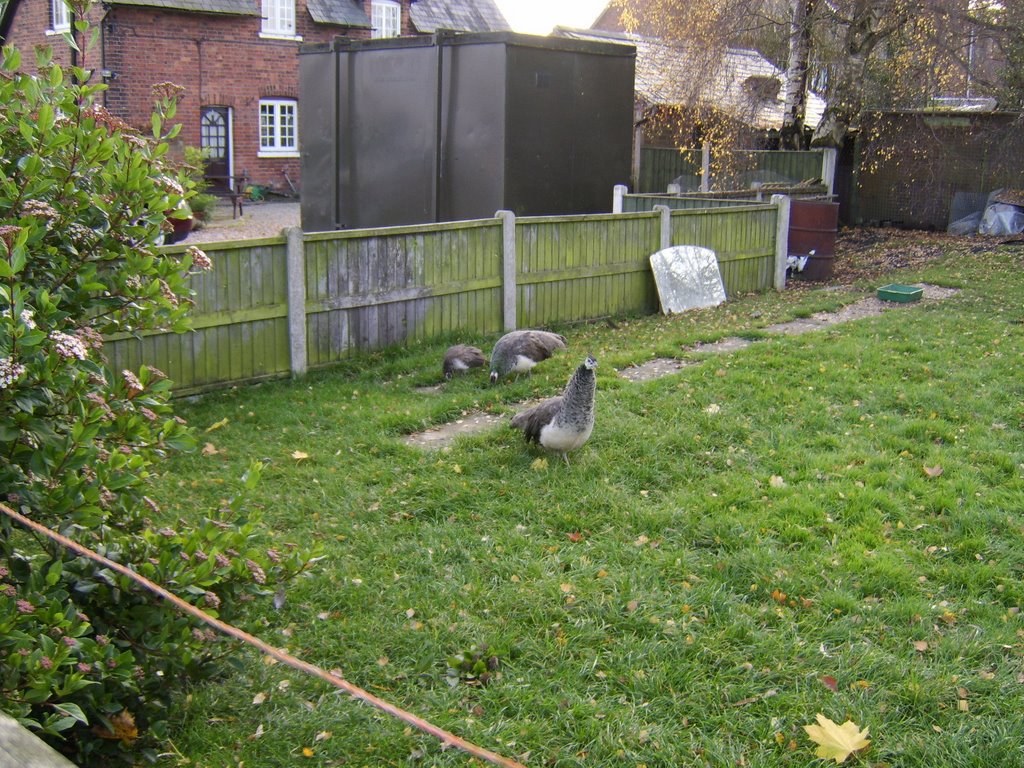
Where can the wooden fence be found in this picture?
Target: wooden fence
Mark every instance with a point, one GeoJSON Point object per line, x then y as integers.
{"type": "Point", "coordinates": [710, 169]}
{"type": "Point", "coordinates": [279, 306]}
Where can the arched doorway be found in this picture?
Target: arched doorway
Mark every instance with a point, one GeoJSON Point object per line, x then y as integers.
{"type": "Point", "coordinates": [215, 141]}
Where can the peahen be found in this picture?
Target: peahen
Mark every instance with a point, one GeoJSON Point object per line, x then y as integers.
{"type": "Point", "coordinates": [518, 351]}
{"type": "Point", "coordinates": [563, 423]}
{"type": "Point", "coordinates": [460, 358]}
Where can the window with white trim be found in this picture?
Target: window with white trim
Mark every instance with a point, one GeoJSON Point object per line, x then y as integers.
{"type": "Point", "coordinates": [279, 18]}
{"type": "Point", "coordinates": [61, 16]}
{"type": "Point", "coordinates": [387, 18]}
{"type": "Point", "coordinates": [279, 127]}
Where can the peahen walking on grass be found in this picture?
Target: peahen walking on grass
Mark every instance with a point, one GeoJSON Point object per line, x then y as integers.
{"type": "Point", "coordinates": [518, 351]}
{"type": "Point", "coordinates": [563, 423]}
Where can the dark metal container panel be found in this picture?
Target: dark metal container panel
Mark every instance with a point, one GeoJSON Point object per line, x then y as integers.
{"type": "Point", "coordinates": [472, 183]}
{"type": "Point", "coordinates": [538, 159]}
{"type": "Point", "coordinates": [570, 122]}
{"type": "Point", "coordinates": [317, 123]}
{"type": "Point", "coordinates": [388, 123]}
{"type": "Point", "coordinates": [602, 133]}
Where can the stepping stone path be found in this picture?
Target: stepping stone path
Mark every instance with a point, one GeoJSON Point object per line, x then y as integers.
{"type": "Point", "coordinates": [442, 436]}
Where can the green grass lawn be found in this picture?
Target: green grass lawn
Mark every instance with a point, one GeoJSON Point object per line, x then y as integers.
{"type": "Point", "coordinates": [826, 523]}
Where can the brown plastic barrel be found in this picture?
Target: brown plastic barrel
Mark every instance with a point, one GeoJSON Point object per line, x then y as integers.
{"type": "Point", "coordinates": [813, 225]}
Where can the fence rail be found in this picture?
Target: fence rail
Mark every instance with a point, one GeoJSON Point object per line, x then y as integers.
{"type": "Point", "coordinates": [278, 306]}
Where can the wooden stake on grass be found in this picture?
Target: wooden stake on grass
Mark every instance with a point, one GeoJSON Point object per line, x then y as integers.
{"type": "Point", "coordinates": [447, 739]}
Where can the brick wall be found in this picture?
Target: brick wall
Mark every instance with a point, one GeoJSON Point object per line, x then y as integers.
{"type": "Point", "coordinates": [220, 60]}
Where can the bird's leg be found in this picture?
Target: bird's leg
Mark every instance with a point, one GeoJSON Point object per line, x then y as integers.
{"type": "Point", "coordinates": [566, 457]}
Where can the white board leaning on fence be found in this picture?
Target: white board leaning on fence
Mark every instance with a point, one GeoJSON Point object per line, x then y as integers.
{"type": "Point", "coordinates": [687, 277]}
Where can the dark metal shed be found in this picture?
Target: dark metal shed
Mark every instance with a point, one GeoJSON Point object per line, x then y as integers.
{"type": "Point", "coordinates": [457, 126]}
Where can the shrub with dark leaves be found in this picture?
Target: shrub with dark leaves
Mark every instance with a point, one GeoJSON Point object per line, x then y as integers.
{"type": "Point", "coordinates": [87, 658]}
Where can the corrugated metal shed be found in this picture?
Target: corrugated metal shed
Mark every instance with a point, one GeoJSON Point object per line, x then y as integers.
{"type": "Point", "coordinates": [233, 7]}
{"type": "Point", "coordinates": [346, 13]}
{"type": "Point", "coordinates": [462, 15]}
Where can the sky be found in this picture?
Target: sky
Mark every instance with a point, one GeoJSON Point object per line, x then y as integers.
{"type": "Point", "coordinates": [537, 17]}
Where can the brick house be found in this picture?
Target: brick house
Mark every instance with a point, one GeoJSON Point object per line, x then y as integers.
{"type": "Point", "coordinates": [237, 61]}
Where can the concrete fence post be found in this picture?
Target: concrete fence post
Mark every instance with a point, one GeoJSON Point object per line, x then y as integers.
{"type": "Point", "coordinates": [782, 202]}
{"type": "Point", "coordinates": [666, 226]}
{"type": "Point", "coordinates": [829, 157]}
{"type": "Point", "coordinates": [618, 193]}
{"type": "Point", "coordinates": [296, 267]}
{"type": "Point", "coordinates": [705, 167]}
{"type": "Point", "coordinates": [508, 269]}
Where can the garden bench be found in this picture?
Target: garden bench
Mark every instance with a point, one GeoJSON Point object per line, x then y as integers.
{"type": "Point", "coordinates": [230, 188]}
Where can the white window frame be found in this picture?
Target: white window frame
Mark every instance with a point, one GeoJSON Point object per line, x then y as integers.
{"type": "Point", "coordinates": [283, 138]}
{"type": "Point", "coordinates": [61, 16]}
{"type": "Point", "coordinates": [279, 19]}
{"type": "Point", "coordinates": [387, 18]}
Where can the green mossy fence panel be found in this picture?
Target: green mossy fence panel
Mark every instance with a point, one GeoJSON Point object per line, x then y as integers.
{"type": "Point", "coordinates": [776, 165]}
{"type": "Point", "coordinates": [637, 203]}
{"type": "Point", "coordinates": [239, 320]}
{"type": "Point", "coordinates": [579, 267]}
{"type": "Point", "coordinates": [743, 240]}
{"type": "Point", "coordinates": [659, 166]}
{"type": "Point", "coordinates": [367, 289]}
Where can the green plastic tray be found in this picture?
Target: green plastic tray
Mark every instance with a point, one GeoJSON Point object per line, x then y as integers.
{"type": "Point", "coordinates": [901, 293]}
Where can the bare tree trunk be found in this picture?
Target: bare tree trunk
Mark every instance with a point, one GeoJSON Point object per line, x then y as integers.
{"type": "Point", "coordinates": [795, 110]}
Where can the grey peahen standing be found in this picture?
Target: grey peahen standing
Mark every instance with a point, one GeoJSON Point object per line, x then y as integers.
{"type": "Point", "coordinates": [563, 423]}
{"type": "Point", "coordinates": [460, 358]}
{"type": "Point", "coordinates": [518, 351]}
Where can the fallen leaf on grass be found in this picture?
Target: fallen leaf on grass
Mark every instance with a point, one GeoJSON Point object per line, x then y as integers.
{"type": "Point", "coordinates": [920, 646]}
{"type": "Point", "coordinates": [539, 464]}
{"type": "Point", "coordinates": [775, 481]}
{"type": "Point", "coordinates": [122, 728]}
{"type": "Point", "coordinates": [836, 742]}
{"type": "Point", "coordinates": [933, 471]}
{"type": "Point", "coordinates": [299, 455]}
{"type": "Point", "coordinates": [830, 682]}
{"type": "Point", "coordinates": [210, 450]}
{"type": "Point", "coordinates": [217, 425]}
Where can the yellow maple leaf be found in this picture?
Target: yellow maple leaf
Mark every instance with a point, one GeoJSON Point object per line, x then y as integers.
{"type": "Point", "coordinates": [217, 424]}
{"type": "Point", "coordinates": [299, 455]}
{"type": "Point", "coordinates": [836, 742]}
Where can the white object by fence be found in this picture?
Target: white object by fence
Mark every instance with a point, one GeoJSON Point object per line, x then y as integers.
{"type": "Point", "coordinates": [687, 277]}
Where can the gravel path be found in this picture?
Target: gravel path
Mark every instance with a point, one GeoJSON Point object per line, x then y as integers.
{"type": "Point", "coordinates": [264, 219]}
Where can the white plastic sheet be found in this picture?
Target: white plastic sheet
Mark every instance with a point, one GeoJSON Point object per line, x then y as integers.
{"type": "Point", "coordinates": [687, 277]}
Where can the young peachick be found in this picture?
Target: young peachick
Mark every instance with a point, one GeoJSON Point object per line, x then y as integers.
{"type": "Point", "coordinates": [518, 351]}
{"type": "Point", "coordinates": [563, 423]}
{"type": "Point", "coordinates": [460, 358]}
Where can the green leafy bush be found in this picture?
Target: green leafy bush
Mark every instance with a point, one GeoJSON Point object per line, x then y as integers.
{"type": "Point", "coordinates": [86, 656]}
{"type": "Point", "coordinates": [202, 207]}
